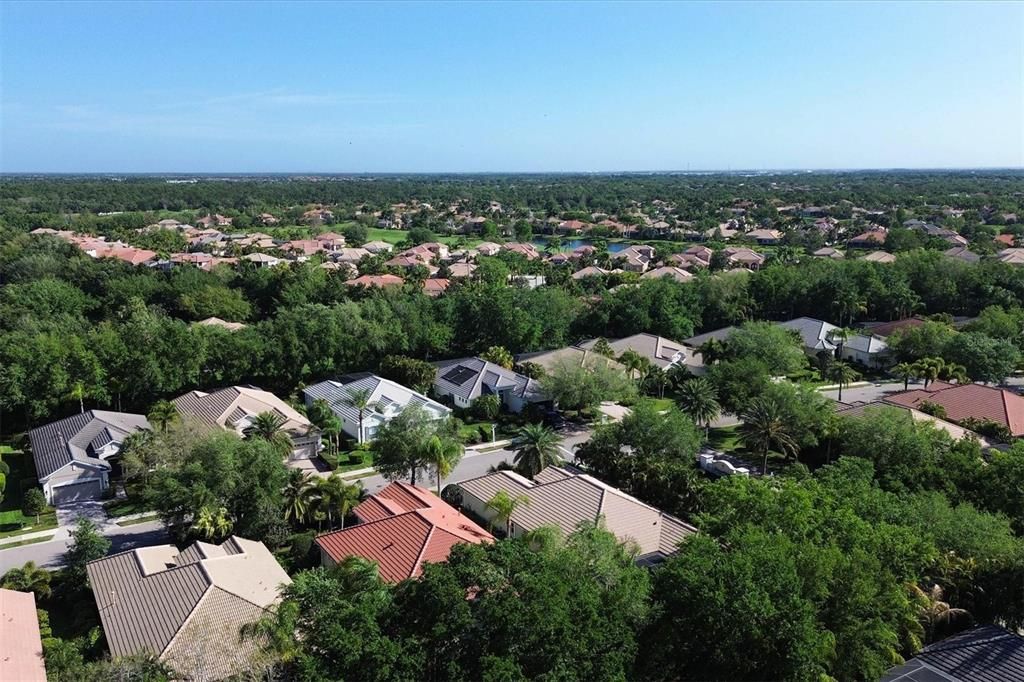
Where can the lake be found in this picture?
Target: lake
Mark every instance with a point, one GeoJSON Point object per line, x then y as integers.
{"type": "Point", "coordinates": [571, 244]}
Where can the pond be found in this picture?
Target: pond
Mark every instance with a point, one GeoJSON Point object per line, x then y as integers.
{"type": "Point", "coordinates": [570, 244]}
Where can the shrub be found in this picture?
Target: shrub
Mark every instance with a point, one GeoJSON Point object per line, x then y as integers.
{"type": "Point", "coordinates": [355, 458]}
{"type": "Point", "coordinates": [5, 468]}
{"type": "Point", "coordinates": [485, 433]}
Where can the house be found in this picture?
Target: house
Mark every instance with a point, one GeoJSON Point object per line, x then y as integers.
{"type": "Point", "coordinates": [203, 261]}
{"type": "Point", "coordinates": [564, 498]}
{"type": "Point", "coordinates": [488, 248]}
{"type": "Point", "coordinates": [187, 606]}
{"type": "Point", "coordinates": [739, 257]}
{"type": "Point", "coordinates": [1013, 256]}
{"type": "Point", "coordinates": [720, 335]}
{"type": "Point", "coordinates": [828, 252]}
{"type": "Point", "coordinates": [659, 351]}
{"type": "Point", "coordinates": [572, 355]}
{"type": "Point", "coordinates": [331, 241]}
{"type": "Point", "coordinates": [128, 254]}
{"type": "Point", "coordinates": [590, 271]}
{"type": "Point", "coordinates": [962, 253]}
{"type": "Point", "coordinates": [211, 220]}
{"type": "Point", "coordinates": [223, 324]}
{"type": "Point", "coordinates": [987, 653]}
{"type": "Point", "coordinates": [886, 329]}
{"type": "Point", "coordinates": [880, 257]}
{"type": "Point", "coordinates": [262, 260]}
{"type": "Point", "coordinates": [461, 270]}
{"type": "Point", "coordinates": [405, 261]}
{"type": "Point", "coordinates": [1008, 240]}
{"type": "Point", "coordinates": [379, 281]}
{"type": "Point", "coordinates": [871, 239]}
{"type": "Point", "coordinates": [72, 455]}
{"type": "Point", "coordinates": [954, 431]}
{"type": "Point", "coordinates": [467, 379]}
{"type": "Point", "coordinates": [303, 248]}
{"type": "Point", "coordinates": [267, 219]}
{"type": "Point", "coordinates": [528, 251]}
{"type": "Point", "coordinates": [765, 237]}
{"type": "Point", "coordinates": [385, 401]}
{"type": "Point", "coordinates": [235, 408]}
{"type": "Point", "coordinates": [435, 286]}
{"type": "Point", "coordinates": [22, 658]}
{"type": "Point", "coordinates": [401, 528]}
{"type": "Point", "coordinates": [318, 214]}
{"type": "Point", "coordinates": [573, 226]}
{"type": "Point", "coordinates": [635, 258]}
{"type": "Point", "coordinates": [818, 335]}
{"type": "Point", "coordinates": [676, 274]}
{"type": "Point", "coordinates": [378, 247]}
{"type": "Point", "coordinates": [968, 401]}
{"type": "Point", "coordinates": [693, 257]}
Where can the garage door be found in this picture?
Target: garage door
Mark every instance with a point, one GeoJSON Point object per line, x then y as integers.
{"type": "Point", "coordinates": [88, 490]}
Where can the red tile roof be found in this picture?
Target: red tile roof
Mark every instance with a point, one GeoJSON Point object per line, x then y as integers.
{"type": "Point", "coordinates": [968, 401]}
{"type": "Point", "coordinates": [376, 281]}
{"type": "Point", "coordinates": [1005, 239]}
{"type": "Point", "coordinates": [403, 527]}
{"type": "Point", "coordinates": [888, 328]}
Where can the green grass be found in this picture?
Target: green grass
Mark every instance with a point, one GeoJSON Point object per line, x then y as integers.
{"type": "Point", "coordinates": [724, 438]}
{"type": "Point", "coordinates": [344, 466]}
{"type": "Point", "coordinates": [124, 507]}
{"type": "Point", "coordinates": [661, 404]}
{"type": "Point", "coordinates": [32, 541]}
{"type": "Point", "coordinates": [142, 519]}
{"type": "Point", "coordinates": [21, 478]}
{"type": "Point", "coordinates": [471, 431]}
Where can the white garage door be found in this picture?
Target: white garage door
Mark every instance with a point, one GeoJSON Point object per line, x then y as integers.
{"type": "Point", "coordinates": [87, 490]}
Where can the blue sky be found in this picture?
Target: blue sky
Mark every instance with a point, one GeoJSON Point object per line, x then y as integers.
{"type": "Point", "coordinates": [417, 87]}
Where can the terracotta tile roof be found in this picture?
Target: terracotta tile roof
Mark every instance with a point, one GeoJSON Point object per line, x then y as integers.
{"type": "Point", "coordinates": [22, 657]}
{"type": "Point", "coordinates": [376, 281]}
{"type": "Point", "coordinates": [968, 401]}
{"type": "Point", "coordinates": [435, 286]}
{"type": "Point", "coordinates": [403, 527]}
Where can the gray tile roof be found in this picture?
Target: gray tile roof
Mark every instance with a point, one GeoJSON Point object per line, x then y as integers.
{"type": "Point", "coordinates": [717, 334]}
{"type": "Point", "coordinates": [79, 436]}
{"type": "Point", "coordinates": [982, 654]}
{"type": "Point", "coordinates": [147, 596]}
{"type": "Point", "coordinates": [470, 378]}
{"type": "Point", "coordinates": [660, 351]}
{"type": "Point", "coordinates": [814, 333]}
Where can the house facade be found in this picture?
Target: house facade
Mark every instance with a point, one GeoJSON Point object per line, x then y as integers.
{"type": "Point", "coordinates": [466, 379]}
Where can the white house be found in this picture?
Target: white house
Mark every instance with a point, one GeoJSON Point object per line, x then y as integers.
{"type": "Point", "coordinates": [467, 379]}
{"type": "Point", "coordinates": [386, 400]}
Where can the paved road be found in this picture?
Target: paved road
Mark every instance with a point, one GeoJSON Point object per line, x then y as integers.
{"type": "Point", "coordinates": [50, 554]}
{"type": "Point", "coordinates": [477, 464]}
{"type": "Point", "coordinates": [878, 391]}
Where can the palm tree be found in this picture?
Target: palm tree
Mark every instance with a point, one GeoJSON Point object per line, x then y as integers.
{"type": "Point", "coordinates": [504, 505]}
{"type": "Point", "coordinates": [28, 578]}
{"type": "Point", "coordinates": [935, 614]}
{"type": "Point", "coordinates": [78, 392]}
{"type": "Point", "coordinates": [659, 380]}
{"type": "Point", "coordinates": [711, 351]}
{"type": "Point", "coordinates": [838, 337]}
{"type": "Point", "coordinates": [212, 524]}
{"type": "Point", "coordinates": [632, 361]}
{"type": "Point", "coordinates": [842, 374]}
{"type": "Point", "coordinates": [536, 447]}
{"type": "Point", "coordinates": [905, 371]}
{"type": "Point", "coordinates": [954, 372]}
{"type": "Point", "coordinates": [763, 428]}
{"type": "Point", "coordinates": [699, 399]}
{"type": "Point", "coordinates": [929, 369]}
{"type": "Point", "coordinates": [269, 426]}
{"type": "Point", "coordinates": [443, 454]}
{"type": "Point", "coordinates": [358, 399]}
{"type": "Point", "coordinates": [162, 413]}
{"type": "Point", "coordinates": [298, 496]}
{"type": "Point", "coordinates": [334, 495]}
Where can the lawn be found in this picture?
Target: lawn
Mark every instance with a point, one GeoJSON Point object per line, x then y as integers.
{"type": "Point", "coordinates": [344, 466]}
{"type": "Point", "coordinates": [469, 433]}
{"type": "Point", "coordinates": [724, 438]}
{"type": "Point", "coordinates": [377, 234]}
{"type": "Point", "coordinates": [124, 507]}
{"type": "Point", "coordinates": [662, 404]}
{"type": "Point", "coordinates": [33, 541]}
{"type": "Point", "coordinates": [21, 478]}
{"type": "Point", "coordinates": [142, 519]}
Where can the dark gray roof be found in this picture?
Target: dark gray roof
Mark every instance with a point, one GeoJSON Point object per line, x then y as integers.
{"type": "Point", "coordinates": [982, 654]}
{"type": "Point", "coordinates": [79, 436]}
{"type": "Point", "coordinates": [470, 378]}
{"type": "Point", "coordinates": [718, 334]}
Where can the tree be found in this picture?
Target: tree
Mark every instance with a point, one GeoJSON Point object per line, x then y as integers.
{"type": "Point", "coordinates": [335, 496]}
{"type": "Point", "coordinates": [504, 505]}
{"type": "Point", "coordinates": [936, 615]}
{"type": "Point", "coordinates": [269, 426]}
{"type": "Point", "coordinates": [33, 503]}
{"type": "Point", "coordinates": [486, 407]}
{"type": "Point", "coordinates": [400, 444]}
{"type": "Point", "coordinates": [634, 363]}
{"type": "Point", "coordinates": [843, 375]}
{"type": "Point", "coordinates": [162, 413]}
{"type": "Point", "coordinates": [420, 235]}
{"type": "Point", "coordinates": [442, 453]}
{"type": "Point", "coordinates": [78, 393]}
{"type": "Point", "coordinates": [416, 374]}
{"type": "Point", "coordinates": [764, 428]}
{"type": "Point", "coordinates": [87, 544]}
{"type": "Point", "coordinates": [358, 399]}
{"type": "Point", "coordinates": [603, 348]}
{"type": "Point", "coordinates": [28, 578]}
{"type": "Point", "coordinates": [905, 371]}
{"type": "Point", "coordinates": [738, 382]}
{"type": "Point", "coordinates": [983, 357]}
{"type": "Point", "coordinates": [499, 356]}
{"type": "Point", "coordinates": [698, 398]}
{"type": "Point", "coordinates": [777, 347]}
{"type": "Point", "coordinates": [298, 496]}
{"type": "Point", "coordinates": [575, 386]}
{"type": "Point", "coordinates": [212, 523]}
{"type": "Point", "coordinates": [536, 447]}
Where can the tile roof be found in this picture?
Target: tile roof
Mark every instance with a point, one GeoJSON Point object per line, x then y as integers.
{"type": "Point", "coordinates": [22, 657]}
{"type": "Point", "coordinates": [987, 653]}
{"type": "Point", "coordinates": [660, 351]}
{"type": "Point", "coordinates": [403, 527]}
{"type": "Point", "coordinates": [677, 274]}
{"type": "Point", "coordinates": [565, 499]}
{"type": "Point", "coordinates": [385, 395]}
{"type": "Point", "coordinates": [469, 378]}
{"type": "Point", "coordinates": [228, 406]}
{"type": "Point", "coordinates": [150, 597]}
{"type": "Point", "coordinates": [716, 334]}
{"type": "Point", "coordinates": [887, 328]}
{"type": "Point", "coordinates": [376, 281]}
{"type": "Point", "coordinates": [966, 401]}
{"type": "Point", "coordinates": [880, 257]}
{"type": "Point", "coordinates": [78, 437]}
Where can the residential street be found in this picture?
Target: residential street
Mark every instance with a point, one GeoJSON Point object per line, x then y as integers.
{"type": "Point", "coordinates": [49, 554]}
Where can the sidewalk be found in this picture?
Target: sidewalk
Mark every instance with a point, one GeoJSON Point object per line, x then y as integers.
{"type": "Point", "coordinates": [66, 517]}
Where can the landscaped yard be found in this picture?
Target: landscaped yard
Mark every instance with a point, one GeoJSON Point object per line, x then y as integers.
{"type": "Point", "coordinates": [724, 438]}
{"type": "Point", "coordinates": [124, 507]}
{"type": "Point", "coordinates": [21, 478]}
